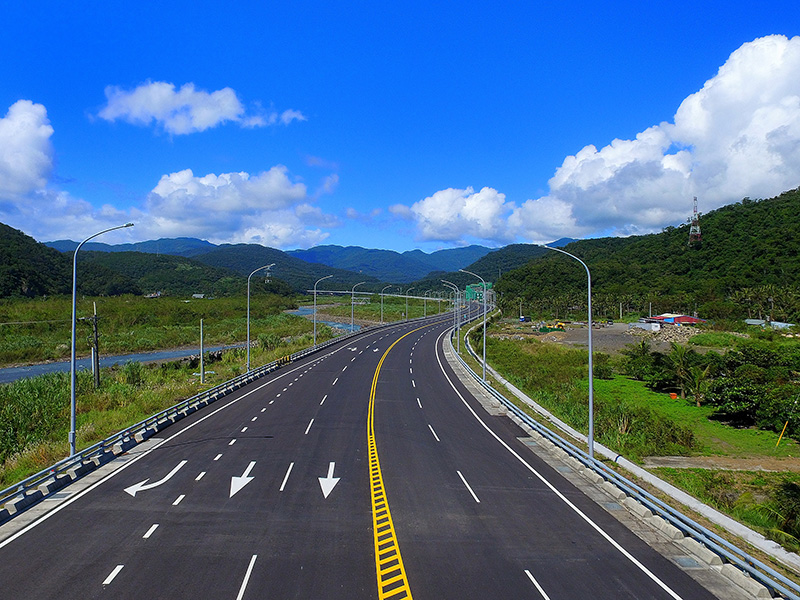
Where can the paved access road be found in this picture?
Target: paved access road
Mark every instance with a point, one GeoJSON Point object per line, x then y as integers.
{"type": "Point", "coordinates": [364, 471]}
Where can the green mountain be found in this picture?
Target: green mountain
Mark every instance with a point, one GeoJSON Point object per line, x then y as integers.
{"type": "Point", "coordinates": [182, 246]}
{"type": "Point", "coordinates": [299, 274]}
{"type": "Point", "coordinates": [388, 265]}
{"type": "Point", "coordinates": [748, 263]}
{"type": "Point", "coordinates": [28, 268]}
{"type": "Point", "coordinates": [170, 275]}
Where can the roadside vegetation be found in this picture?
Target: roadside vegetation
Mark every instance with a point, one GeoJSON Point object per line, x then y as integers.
{"type": "Point", "coordinates": [34, 413]}
{"type": "Point", "coordinates": [646, 404]}
{"type": "Point", "coordinates": [39, 330]}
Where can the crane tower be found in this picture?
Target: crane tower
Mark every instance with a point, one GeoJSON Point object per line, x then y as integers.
{"type": "Point", "coordinates": [695, 237]}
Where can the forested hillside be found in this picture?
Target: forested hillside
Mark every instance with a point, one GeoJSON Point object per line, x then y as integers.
{"type": "Point", "coordinates": [746, 265]}
{"type": "Point", "coordinates": [300, 275]}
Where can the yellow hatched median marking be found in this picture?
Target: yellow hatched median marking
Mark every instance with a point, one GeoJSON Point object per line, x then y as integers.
{"type": "Point", "coordinates": [392, 582]}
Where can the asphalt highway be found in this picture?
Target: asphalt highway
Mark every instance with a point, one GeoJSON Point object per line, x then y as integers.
{"type": "Point", "coordinates": [364, 471]}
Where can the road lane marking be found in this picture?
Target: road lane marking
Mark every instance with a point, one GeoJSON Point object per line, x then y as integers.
{"type": "Point", "coordinates": [244, 429]}
{"type": "Point", "coordinates": [264, 409]}
{"type": "Point", "coordinates": [113, 574]}
{"type": "Point", "coordinates": [271, 401]}
{"type": "Point", "coordinates": [247, 577]}
{"type": "Point", "coordinates": [434, 433]}
{"type": "Point", "coordinates": [413, 383]}
{"type": "Point", "coordinates": [419, 403]}
{"type": "Point", "coordinates": [536, 583]}
{"type": "Point", "coordinates": [553, 489]}
{"type": "Point", "coordinates": [232, 442]}
{"type": "Point", "coordinates": [334, 381]}
{"type": "Point", "coordinates": [286, 477]}
{"type": "Point", "coordinates": [178, 499]}
{"type": "Point", "coordinates": [323, 399]}
{"type": "Point", "coordinates": [310, 423]}
{"type": "Point", "coordinates": [200, 476]}
{"type": "Point", "coordinates": [253, 419]}
{"type": "Point", "coordinates": [389, 569]}
{"type": "Point", "coordinates": [464, 481]}
{"type": "Point", "coordinates": [143, 485]}
{"type": "Point", "coordinates": [345, 369]}
{"type": "Point", "coordinates": [150, 531]}
{"type": "Point", "coordinates": [217, 457]}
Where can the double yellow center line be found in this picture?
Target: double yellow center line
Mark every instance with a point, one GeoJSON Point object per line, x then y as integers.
{"type": "Point", "coordinates": [392, 581]}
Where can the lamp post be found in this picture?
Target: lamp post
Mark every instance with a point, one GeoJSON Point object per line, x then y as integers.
{"type": "Point", "coordinates": [408, 290]}
{"type": "Point", "coordinates": [456, 319]}
{"type": "Point", "coordinates": [315, 306]}
{"type": "Point", "coordinates": [484, 317]}
{"type": "Point", "coordinates": [268, 267]}
{"type": "Point", "coordinates": [72, 448]}
{"type": "Point", "coordinates": [591, 370]}
{"type": "Point", "coordinates": [352, 305]}
{"type": "Point", "coordinates": [388, 286]}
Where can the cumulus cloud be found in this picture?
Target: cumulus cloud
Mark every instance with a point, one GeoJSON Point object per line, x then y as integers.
{"type": "Point", "coordinates": [185, 110]}
{"type": "Point", "coordinates": [26, 154]}
{"type": "Point", "coordinates": [267, 208]}
{"type": "Point", "coordinates": [738, 136]}
{"type": "Point", "coordinates": [454, 215]}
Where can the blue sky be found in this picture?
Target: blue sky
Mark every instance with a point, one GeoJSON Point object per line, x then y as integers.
{"type": "Point", "coordinates": [410, 125]}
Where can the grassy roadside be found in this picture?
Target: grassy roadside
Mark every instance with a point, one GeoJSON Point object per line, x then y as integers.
{"type": "Point", "coordinates": [34, 413]}
{"type": "Point", "coordinates": [555, 377]}
{"type": "Point", "coordinates": [39, 330]}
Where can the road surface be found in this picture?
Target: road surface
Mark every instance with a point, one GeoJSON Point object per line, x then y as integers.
{"type": "Point", "coordinates": [364, 471]}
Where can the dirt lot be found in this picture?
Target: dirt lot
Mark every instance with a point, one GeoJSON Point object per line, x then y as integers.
{"type": "Point", "coordinates": [607, 338]}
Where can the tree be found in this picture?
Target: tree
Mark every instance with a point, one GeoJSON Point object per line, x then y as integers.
{"type": "Point", "coordinates": [697, 383]}
{"type": "Point", "coordinates": [679, 359]}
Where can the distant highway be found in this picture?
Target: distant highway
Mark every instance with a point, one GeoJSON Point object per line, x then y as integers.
{"type": "Point", "coordinates": [365, 471]}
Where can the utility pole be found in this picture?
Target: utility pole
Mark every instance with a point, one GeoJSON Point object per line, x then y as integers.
{"type": "Point", "coordinates": [94, 344]}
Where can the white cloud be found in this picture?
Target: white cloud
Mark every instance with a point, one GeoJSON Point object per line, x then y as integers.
{"type": "Point", "coordinates": [267, 208]}
{"type": "Point", "coordinates": [738, 136]}
{"type": "Point", "coordinates": [454, 215]}
{"type": "Point", "coordinates": [185, 110]}
{"type": "Point", "coordinates": [26, 154]}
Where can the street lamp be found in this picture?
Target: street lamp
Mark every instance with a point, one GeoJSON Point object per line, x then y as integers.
{"type": "Point", "coordinates": [484, 317]}
{"type": "Point", "coordinates": [456, 307]}
{"type": "Point", "coordinates": [315, 307]}
{"type": "Point", "coordinates": [352, 305]}
{"type": "Point", "coordinates": [591, 370]}
{"type": "Point", "coordinates": [408, 290]}
{"type": "Point", "coordinates": [72, 449]}
{"type": "Point", "coordinates": [388, 286]}
{"type": "Point", "coordinates": [248, 308]}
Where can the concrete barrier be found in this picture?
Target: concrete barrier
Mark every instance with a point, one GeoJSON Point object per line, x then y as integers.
{"type": "Point", "coordinates": [744, 581]}
{"type": "Point", "coordinates": [53, 484]}
{"type": "Point", "coordinates": [702, 552]}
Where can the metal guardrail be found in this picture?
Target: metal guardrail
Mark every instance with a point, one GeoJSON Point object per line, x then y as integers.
{"type": "Point", "coordinates": [31, 490]}
{"type": "Point", "coordinates": [756, 569]}
{"type": "Point", "coordinates": [24, 494]}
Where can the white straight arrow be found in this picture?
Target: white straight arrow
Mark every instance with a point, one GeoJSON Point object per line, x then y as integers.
{"type": "Point", "coordinates": [143, 485]}
{"type": "Point", "coordinates": [237, 483]}
{"type": "Point", "coordinates": [328, 483]}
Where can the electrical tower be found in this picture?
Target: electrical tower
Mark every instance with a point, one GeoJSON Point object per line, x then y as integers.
{"type": "Point", "coordinates": [695, 237]}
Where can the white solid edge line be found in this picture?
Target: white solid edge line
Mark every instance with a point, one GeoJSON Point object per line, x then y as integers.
{"type": "Point", "coordinates": [553, 489]}
{"type": "Point", "coordinates": [113, 574]}
{"type": "Point", "coordinates": [536, 583]}
{"type": "Point", "coordinates": [464, 481]}
{"type": "Point", "coordinates": [286, 477]}
{"type": "Point", "coordinates": [247, 577]}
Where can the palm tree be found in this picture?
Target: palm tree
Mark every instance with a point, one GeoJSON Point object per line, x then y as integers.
{"type": "Point", "coordinates": [697, 383]}
{"type": "Point", "coordinates": [679, 359]}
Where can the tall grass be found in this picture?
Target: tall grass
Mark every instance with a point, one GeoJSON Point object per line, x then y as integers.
{"type": "Point", "coordinates": [556, 378]}
{"type": "Point", "coordinates": [34, 413]}
{"type": "Point", "coordinates": [39, 330]}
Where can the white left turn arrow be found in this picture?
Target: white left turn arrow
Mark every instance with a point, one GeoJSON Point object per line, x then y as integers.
{"type": "Point", "coordinates": [237, 483]}
{"type": "Point", "coordinates": [328, 483]}
{"type": "Point", "coordinates": [143, 485]}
